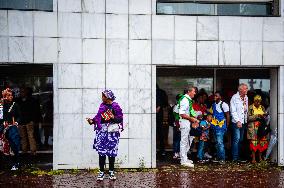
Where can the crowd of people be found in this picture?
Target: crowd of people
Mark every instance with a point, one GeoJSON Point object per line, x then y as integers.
{"type": "Point", "coordinates": [210, 129]}
{"type": "Point", "coordinates": [206, 126]}
{"type": "Point", "coordinates": [18, 117]}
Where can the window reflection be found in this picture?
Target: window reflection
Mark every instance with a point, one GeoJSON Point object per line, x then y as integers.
{"type": "Point", "coordinates": [45, 5]}
{"type": "Point", "coordinates": [176, 85]}
{"type": "Point", "coordinates": [197, 8]}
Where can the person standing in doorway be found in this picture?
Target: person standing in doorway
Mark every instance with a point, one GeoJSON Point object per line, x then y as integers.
{"type": "Point", "coordinates": [108, 124]}
{"type": "Point", "coordinates": [187, 117]}
{"type": "Point", "coordinates": [30, 110]}
{"type": "Point", "coordinates": [9, 134]}
{"type": "Point", "coordinates": [239, 113]}
{"type": "Point", "coordinates": [176, 132]}
{"type": "Point", "coordinates": [220, 122]}
{"type": "Point", "coordinates": [256, 118]}
{"type": "Point", "coordinates": [161, 103]}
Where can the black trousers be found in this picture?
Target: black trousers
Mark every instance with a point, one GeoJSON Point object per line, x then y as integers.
{"type": "Point", "coordinates": [160, 133]}
{"type": "Point", "coordinates": [102, 162]}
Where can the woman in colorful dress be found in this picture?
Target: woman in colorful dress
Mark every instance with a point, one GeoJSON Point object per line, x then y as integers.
{"type": "Point", "coordinates": [256, 117]}
{"type": "Point", "coordinates": [9, 134]}
{"type": "Point", "coordinates": [108, 123]}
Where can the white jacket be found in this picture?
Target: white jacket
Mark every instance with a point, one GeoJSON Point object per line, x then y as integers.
{"type": "Point", "coordinates": [237, 109]}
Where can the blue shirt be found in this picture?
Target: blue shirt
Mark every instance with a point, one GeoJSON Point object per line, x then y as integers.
{"type": "Point", "coordinates": [205, 124]}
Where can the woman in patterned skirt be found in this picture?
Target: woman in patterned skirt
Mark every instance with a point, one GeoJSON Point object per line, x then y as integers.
{"type": "Point", "coordinates": [256, 117]}
{"type": "Point", "coordinates": [108, 124]}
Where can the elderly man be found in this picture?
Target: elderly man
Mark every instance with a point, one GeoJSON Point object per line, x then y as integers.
{"type": "Point", "coordinates": [239, 113]}
{"type": "Point", "coordinates": [187, 116]}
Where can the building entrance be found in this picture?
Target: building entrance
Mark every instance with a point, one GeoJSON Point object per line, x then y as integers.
{"type": "Point", "coordinates": [39, 80]}
{"type": "Point", "coordinates": [173, 81]}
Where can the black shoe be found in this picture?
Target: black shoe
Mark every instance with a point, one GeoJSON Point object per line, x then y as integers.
{"type": "Point", "coordinates": [201, 161]}
{"type": "Point", "coordinates": [206, 160]}
{"type": "Point", "coordinates": [215, 160]}
{"type": "Point", "coordinates": [163, 153]}
{"type": "Point", "coordinates": [242, 161]}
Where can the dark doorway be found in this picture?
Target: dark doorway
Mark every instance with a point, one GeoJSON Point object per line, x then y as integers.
{"type": "Point", "coordinates": [173, 80]}
{"type": "Point", "coordinates": [40, 79]}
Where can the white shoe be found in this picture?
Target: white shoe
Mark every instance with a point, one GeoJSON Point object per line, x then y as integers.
{"type": "Point", "coordinates": [14, 168]}
{"type": "Point", "coordinates": [187, 164]}
{"type": "Point", "coordinates": [101, 176]}
{"type": "Point", "coordinates": [111, 175]}
{"type": "Point", "coordinates": [189, 161]}
{"type": "Point", "coordinates": [206, 155]}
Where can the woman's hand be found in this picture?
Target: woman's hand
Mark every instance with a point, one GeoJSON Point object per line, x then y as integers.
{"type": "Point", "coordinates": [90, 121]}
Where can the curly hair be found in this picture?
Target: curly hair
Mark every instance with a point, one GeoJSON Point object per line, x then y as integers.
{"type": "Point", "coordinates": [6, 92]}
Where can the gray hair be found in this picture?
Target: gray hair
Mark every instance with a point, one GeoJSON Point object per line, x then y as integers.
{"type": "Point", "coordinates": [241, 86]}
{"type": "Point", "coordinates": [190, 88]}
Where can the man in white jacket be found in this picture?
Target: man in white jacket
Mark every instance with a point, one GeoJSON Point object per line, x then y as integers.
{"type": "Point", "coordinates": [186, 118]}
{"type": "Point", "coordinates": [239, 113]}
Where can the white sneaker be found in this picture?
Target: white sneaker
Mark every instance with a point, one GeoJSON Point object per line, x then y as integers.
{"type": "Point", "coordinates": [206, 155]}
{"type": "Point", "coordinates": [189, 161]}
{"type": "Point", "coordinates": [14, 168]}
{"type": "Point", "coordinates": [111, 175]}
{"type": "Point", "coordinates": [187, 164]}
{"type": "Point", "coordinates": [101, 176]}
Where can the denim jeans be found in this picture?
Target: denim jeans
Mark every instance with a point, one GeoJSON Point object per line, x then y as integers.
{"type": "Point", "coordinates": [237, 138]}
{"type": "Point", "coordinates": [200, 150]}
{"type": "Point", "coordinates": [220, 148]}
{"type": "Point", "coordinates": [176, 140]}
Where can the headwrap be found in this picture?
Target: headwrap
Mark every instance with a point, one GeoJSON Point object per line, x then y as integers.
{"type": "Point", "coordinates": [257, 98]}
{"type": "Point", "coordinates": [109, 94]}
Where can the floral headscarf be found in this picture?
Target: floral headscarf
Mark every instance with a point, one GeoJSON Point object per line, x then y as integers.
{"type": "Point", "coordinates": [109, 94]}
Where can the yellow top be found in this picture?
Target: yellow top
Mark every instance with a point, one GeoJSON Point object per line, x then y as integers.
{"type": "Point", "coordinates": [215, 122]}
{"type": "Point", "coordinates": [257, 111]}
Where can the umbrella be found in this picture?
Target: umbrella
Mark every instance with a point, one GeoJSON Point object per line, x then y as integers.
{"type": "Point", "coordinates": [272, 142]}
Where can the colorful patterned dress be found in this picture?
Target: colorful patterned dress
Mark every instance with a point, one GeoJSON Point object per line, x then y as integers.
{"type": "Point", "coordinates": [256, 144]}
{"type": "Point", "coordinates": [106, 143]}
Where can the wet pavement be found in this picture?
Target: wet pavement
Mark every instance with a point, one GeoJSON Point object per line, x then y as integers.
{"type": "Point", "coordinates": [202, 175]}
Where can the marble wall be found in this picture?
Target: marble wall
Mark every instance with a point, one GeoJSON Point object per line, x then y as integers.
{"type": "Point", "coordinates": [117, 44]}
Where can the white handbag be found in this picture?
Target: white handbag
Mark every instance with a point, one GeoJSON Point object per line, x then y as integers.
{"type": "Point", "coordinates": [113, 127]}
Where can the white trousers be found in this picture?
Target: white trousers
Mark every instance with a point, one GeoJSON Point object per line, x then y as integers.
{"type": "Point", "coordinates": [185, 140]}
